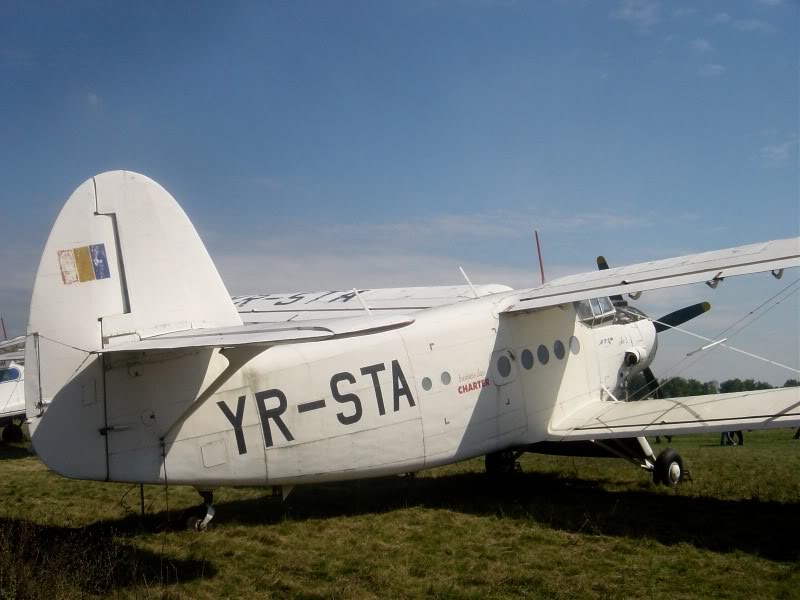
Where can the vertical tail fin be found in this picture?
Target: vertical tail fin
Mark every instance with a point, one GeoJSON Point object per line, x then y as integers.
{"type": "Point", "coordinates": [122, 262]}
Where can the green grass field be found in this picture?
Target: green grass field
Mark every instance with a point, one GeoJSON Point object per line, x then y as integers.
{"type": "Point", "coordinates": [564, 528]}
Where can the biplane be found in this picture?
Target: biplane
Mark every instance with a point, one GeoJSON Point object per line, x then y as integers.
{"type": "Point", "coordinates": [142, 369]}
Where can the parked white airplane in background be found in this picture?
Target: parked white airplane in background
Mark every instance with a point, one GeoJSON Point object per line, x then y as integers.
{"type": "Point", "coordinates": [12, 388]}
{"type": "Point", "coordinates": [141, 370]}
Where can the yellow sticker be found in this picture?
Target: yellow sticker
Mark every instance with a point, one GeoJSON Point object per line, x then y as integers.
{"type": "Point", "coordinates": [83, 260]}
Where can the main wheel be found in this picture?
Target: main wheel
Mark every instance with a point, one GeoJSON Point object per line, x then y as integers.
{"type": "Point", "coordinates": [195, 523]}
{"type": "Point", "coordinates": [669, 468]}
{"type": "Point", "coordinates": [12, 434]}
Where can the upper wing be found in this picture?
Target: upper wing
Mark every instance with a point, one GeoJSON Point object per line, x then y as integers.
{"type": "Point", "coordinates": [262, 334]}
{"type": "Point", "coordinates": [694, 268]}
{"type": "Point", "coordinates": [273, 308]}
{"type": "Point", "coordinates": [763, 409]}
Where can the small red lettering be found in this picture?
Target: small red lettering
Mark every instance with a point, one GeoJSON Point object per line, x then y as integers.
{"type": "Point", "coordinates": [473, 385]}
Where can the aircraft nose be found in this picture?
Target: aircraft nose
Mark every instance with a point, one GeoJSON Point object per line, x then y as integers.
{"type": "Point", "coordinates": [639, 357]}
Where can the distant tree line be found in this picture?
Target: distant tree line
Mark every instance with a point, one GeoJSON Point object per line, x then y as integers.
{"type": "Point", "coordinates": [678, 387]}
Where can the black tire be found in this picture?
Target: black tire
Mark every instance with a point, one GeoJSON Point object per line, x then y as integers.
{"type": "Point", "coordinates": [195, 523]}
{"type": "Point", "coordinates": [669, 469]}
{"type": "Point", "coordinates": [12, 434]}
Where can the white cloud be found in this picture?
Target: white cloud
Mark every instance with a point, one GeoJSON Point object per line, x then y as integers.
{"type": "Point", "coordinates": [450, 229]}
{"type": "Point", "coordinates": [684, 12]}
{"type": "Point", "coordinates": [258, 182]}
{"type": "Point", "coordinates": [418, 251]}
{"type": "Point", "coordinates": [753, 25]}
{"type": "Point", "coordinates": [16, 58]}
{"type": "Point", "coordinates": [775, 155]}
{"type": "Point", "coordinates": [93, 100]}
{"type": "Point", "coordinates": [642, 14]}
{"type": "Point", "coordinates": [320, 269]}
{"type": "Point", "coordinates": [701, 45]}
{"type": "Point", "coordinates": [590, 221]}
{"type": "Point", "coordinates": [746, 25]}
{"type": "Point", "coordinates": [710, 70]}
{"type": "Point", "coordinates": [438, 228]}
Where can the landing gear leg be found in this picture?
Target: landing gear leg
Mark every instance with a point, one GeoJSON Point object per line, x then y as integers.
{"type": "Point", "coordinates": [502, 463]}
{"type": "Point", "coordinates": [200, 519]}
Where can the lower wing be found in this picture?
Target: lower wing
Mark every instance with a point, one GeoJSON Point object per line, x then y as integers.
{"type": "Point", "coordinates": [763, 409]}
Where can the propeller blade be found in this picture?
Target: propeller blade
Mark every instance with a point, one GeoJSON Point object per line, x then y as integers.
{"type": "Point", "coordinates": [616, 300]}
{"type": "Point", "coordinates": [652, 383]}
{"type": "Point", "coordinates": [679, 317]}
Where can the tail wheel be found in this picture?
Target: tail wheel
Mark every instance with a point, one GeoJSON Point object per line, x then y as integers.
{"type": "Point", "coordinates": [669, 468]}
{"type": "Point", "coordinates": [501, 463]}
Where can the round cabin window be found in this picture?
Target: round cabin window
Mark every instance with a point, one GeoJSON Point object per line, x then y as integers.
{"type": "Point", "coordinates": [527, 359]}
{"type": "Point", "coordinates": [543, 354]}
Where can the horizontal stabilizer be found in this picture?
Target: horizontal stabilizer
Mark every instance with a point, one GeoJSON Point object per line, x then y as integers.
{"type": "Point", "coordinates": [12, 345]}
{"type": "Point", "coordinates": [261, 334]}
{"type": "Point", "coordinates": [18, 356]}
{"type": "Point", "coordinates": [711, 267]}
{"type": "Point", "coordinates": [763, 409]}
{"type": "Point", "coordinates": [301, 306]}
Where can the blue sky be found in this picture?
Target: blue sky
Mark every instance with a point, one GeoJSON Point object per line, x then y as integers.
{"type": "Point", "coordinates": [320, 144]}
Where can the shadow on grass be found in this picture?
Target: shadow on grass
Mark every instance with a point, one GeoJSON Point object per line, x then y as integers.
{"type": "Point", "coordinates": [38, 561]}
{"type": "Point", "coordinates": [767, 529]}
{"type": "Point", "coordinates": [11, 452]}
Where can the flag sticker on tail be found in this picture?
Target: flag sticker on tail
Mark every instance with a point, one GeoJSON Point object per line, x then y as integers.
{"type": "Point", "coordinates": [99, 261]}
{"type": "Point", "coordinates": [69, 272]}
{"type": "Point", "coordinates": [85, 263]}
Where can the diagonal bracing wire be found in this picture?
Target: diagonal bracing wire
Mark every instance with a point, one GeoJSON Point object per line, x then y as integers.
{"type": "Point", "coordinates": [717, 341]}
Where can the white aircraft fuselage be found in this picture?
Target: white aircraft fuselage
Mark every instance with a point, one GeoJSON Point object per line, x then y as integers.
{"type": "Point", "coordinates": [453, 385]}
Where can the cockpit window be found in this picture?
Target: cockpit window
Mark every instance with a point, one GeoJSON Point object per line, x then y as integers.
{"type": "Point", "coordinates": [629, 315]}
{"type": "Point", "coordinates": [595, 311]}
{"type": "Point", "coordinates": [606, 304]}
{"type": "Point", "coordinates": [11, 374]}
{"type": "Point", "coordinates": [584, 310]}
